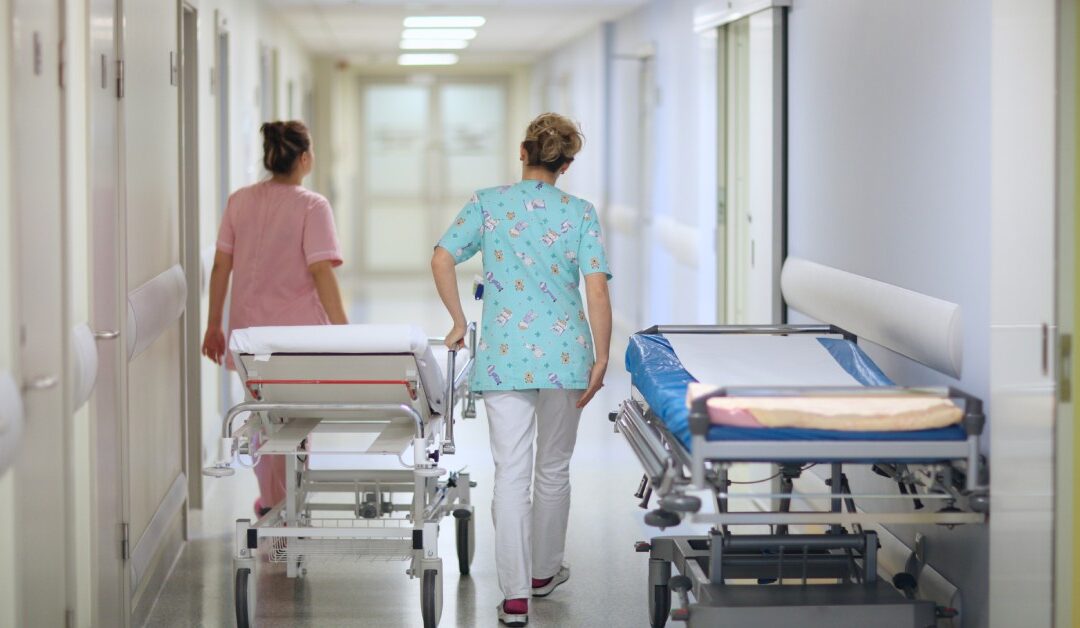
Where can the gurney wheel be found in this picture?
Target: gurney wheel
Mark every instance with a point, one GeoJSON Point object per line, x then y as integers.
{"type": "Point", "coordinates": [243, 608]}
{"type": "Point", "coordinates": [659, 605]}
{"type": "Point", "coordinates": [465, 527]}
{"type": "Point", "coordinates": [431, 598]}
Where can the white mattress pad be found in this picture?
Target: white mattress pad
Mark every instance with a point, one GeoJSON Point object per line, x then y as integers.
{"type": "Point", "coordinates": [264, 342]}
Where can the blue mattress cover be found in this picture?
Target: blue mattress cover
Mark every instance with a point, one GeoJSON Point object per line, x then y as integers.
{"type": "Point", "coordinates": [661, 378]}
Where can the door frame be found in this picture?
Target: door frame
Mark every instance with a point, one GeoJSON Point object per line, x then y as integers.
{"type": "Point", "coordinates": [190, 254]}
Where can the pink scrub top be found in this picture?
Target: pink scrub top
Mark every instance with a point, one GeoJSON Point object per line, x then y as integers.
{"type": "Point", "coordinates": [274, 231]}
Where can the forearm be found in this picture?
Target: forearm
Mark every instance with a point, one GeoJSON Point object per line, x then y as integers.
{"type": "Point", "coordinates": [326, 285]}
{"type": "Point", "coordinates": [443, 271]}
{"type": "Point", "coordinates": [219, 288]}
{"type": "Point", "coordinates": [599, 316]}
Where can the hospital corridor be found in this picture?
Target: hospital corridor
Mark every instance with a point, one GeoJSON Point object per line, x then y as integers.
{"type": "Point", "coordinates": [563, 313]}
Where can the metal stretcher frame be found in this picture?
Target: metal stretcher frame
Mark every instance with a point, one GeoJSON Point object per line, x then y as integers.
{"type": "Point", "coordinates": [707, 562]}
{"type": "Point", "coordinates": [373, 531]}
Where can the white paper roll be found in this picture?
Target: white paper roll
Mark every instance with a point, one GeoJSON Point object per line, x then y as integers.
{"type": "Point", "coordinates": [152, 307]}
{"type": "Point", "coordinates": [923, 328]}
{"type": "Point", "coordinates": [84, 364]}
{"type": "Point", "coordinates": [11, 420]}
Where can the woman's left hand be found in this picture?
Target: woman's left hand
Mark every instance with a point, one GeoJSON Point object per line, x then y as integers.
{"type": "Point", "coordinates": [596, 382]}
{"type": "Point", "coordinates": [214, 344]}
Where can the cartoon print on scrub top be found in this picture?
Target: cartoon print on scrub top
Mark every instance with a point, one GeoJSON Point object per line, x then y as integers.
{"type": "Point", "coordinates": [536, 335]}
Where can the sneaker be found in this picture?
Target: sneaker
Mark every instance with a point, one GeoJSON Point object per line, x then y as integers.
{"type": "Point", "coordinates": [544, 587]}
{"type": "Point", "coordinates": [514, 612]}
{"type": "Point", "coordinates": [260, 510]}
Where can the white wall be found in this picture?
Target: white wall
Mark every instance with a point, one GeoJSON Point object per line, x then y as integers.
{"type": "Point", "coordinates": [889, 177]}
{"type": "Point", "coordinates": [677, 281]}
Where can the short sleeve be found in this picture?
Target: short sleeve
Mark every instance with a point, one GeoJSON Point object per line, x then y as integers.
{"type": "Point", "coordinates": [591, 256]}
{"type": "Point", "coordinates": [320, 236]}
{"type": "Point", "coordinates": [226, 241]}
{"type": "Point", "coordinates": [465, 236]}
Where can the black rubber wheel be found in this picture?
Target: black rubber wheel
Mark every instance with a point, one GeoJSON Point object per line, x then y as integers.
{"type": "Point", "coordinates": [463, 529]}
{"type": "Point", "coordinates": [429, 599]}
{"type": "Point", "coordinates": [241, 596]}
{"type": "Point", "coordinates": [659, 605]}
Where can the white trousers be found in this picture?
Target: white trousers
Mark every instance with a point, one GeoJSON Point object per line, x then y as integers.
{"type": "Point", "coordinates": [530, 511]}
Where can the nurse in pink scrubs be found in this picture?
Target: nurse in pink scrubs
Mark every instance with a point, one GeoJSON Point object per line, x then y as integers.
{"type": "Point", "coordinates": [278, 242]}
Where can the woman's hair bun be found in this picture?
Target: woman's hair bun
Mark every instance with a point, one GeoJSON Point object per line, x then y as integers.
{"type": "Point", "coordinates": [552, 141]}
{"type": "Point", "coordinates": [283, 143]}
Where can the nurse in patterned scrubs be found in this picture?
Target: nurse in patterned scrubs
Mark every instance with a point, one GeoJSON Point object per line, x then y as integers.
{"type": "Point", "coordinates": [541, 356]}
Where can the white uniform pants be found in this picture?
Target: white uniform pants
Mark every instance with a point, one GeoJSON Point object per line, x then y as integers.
{"type": "Point", "coordinates": [530, 534]}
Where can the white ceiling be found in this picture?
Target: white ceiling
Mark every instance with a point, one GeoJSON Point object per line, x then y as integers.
{"type": "Point", "coordinates": [516, 30]}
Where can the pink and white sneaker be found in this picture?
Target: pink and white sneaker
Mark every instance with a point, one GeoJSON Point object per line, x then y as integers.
{"type": "Point", "coordinates": [514, 612]}
{"type": "Point", "coordinates": [544, 587]}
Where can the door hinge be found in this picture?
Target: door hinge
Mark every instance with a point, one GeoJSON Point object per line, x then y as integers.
{"type": "Point", "coordinates": [61, 64]}
{"type": "Point", "coordinates": [125, 543]}
{"type": "Point", "coordinates": [119, 78]}
{"type": "Point", "coordinates": [1065, 368]}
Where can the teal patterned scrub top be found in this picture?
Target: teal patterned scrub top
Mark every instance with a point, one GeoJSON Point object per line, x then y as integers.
{"type": "Point", "coordinates": [536, 242]}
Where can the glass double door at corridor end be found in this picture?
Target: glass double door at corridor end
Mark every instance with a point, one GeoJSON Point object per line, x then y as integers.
{"type": "Point", "coordinates": [427, 146]}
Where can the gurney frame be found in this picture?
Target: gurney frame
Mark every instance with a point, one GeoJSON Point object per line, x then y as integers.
{"type": "Point", "coordinates": [951, 474]}
{"type": "Point", "coordinates": [373, 532]}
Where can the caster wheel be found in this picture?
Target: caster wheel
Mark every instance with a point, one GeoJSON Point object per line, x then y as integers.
{"type": "Point", "coordinates": [659, 605]}
{"type": "Point", "coordinates": [465, 529]}
{"type": "Point", "coordinates": [245, 607]}
{"type": "Point", "coordinates": [431, 598]}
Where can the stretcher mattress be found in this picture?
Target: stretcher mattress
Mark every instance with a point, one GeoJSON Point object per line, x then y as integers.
{"type": "Point", "coordinates": [264, 342]}
{"type": "Point", "coordinates": [663, 367]}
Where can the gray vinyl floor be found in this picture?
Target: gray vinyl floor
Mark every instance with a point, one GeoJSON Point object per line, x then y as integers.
{"type": "Point", "coordinates": [608, 581]}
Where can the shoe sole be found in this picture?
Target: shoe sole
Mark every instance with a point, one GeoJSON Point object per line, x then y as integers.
{"type": "Point", "coordinates": [554, 584]}
{"type": "Point", "coordinates": [514, 621]}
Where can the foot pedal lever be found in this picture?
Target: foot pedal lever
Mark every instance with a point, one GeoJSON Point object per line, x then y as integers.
{"type": "Point", "coordinates": [660, 518]}
{"type": "Point", "coordinates": [681, 586]}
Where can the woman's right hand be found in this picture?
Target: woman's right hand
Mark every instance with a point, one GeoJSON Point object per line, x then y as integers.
{"type": "Point", "coordinates": [214, 344]}
{"type": "Point", "coordinates": [455, 339]}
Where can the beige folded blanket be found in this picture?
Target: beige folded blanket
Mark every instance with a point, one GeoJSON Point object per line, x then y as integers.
{"type": "Point", "coordinates": [871, 413]}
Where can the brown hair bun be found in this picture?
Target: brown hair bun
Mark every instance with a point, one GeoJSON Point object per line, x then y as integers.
{"type": "Point", "coordinates": [283, 143]}
{"type": "Point", "coordinates": [552, 140]}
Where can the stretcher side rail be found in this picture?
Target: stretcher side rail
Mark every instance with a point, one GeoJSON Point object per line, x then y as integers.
{"type": "Point", "coordinates": [775, 330]}
{"type": "Point", "coordinates": [227, 444]}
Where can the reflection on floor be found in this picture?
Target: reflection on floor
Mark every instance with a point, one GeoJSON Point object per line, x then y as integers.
{"type": "Point", "coordinates": [608, 584]}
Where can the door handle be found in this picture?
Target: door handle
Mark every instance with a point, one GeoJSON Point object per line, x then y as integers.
{"type": "Point", "coordinates": [106, 335]}
{"type": "Point", "coordinates": [44, 382]}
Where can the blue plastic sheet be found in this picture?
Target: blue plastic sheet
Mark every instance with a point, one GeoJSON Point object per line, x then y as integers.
{"type": "Point", "coordinates": [661, 378]}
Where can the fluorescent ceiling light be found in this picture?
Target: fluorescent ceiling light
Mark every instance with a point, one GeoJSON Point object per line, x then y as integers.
{"type": "Point", "coordinates": [444, 21]}
{"type": "Point", "coordinates": [428, 59]}
{"type": "Point", "coordinates": [438, 33]}
{"type": "Point", "coordinates": [434, 44]}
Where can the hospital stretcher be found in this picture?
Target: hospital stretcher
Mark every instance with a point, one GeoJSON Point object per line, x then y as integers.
{"type": "Point", "coordinates": [827, 575]}
{"type": "Point", "coordinates": [320, 397]}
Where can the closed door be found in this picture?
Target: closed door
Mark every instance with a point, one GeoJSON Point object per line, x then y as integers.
{"type": "Point", "coordinates": [41, 511]}
{"type": "Point", "coordinates": [427, 147]}
{"type": "Point", "coordinates": [108, 309]}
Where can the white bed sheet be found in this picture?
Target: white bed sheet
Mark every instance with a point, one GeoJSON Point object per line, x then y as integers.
{"type": "Point", "coordinates": [759, 360]}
